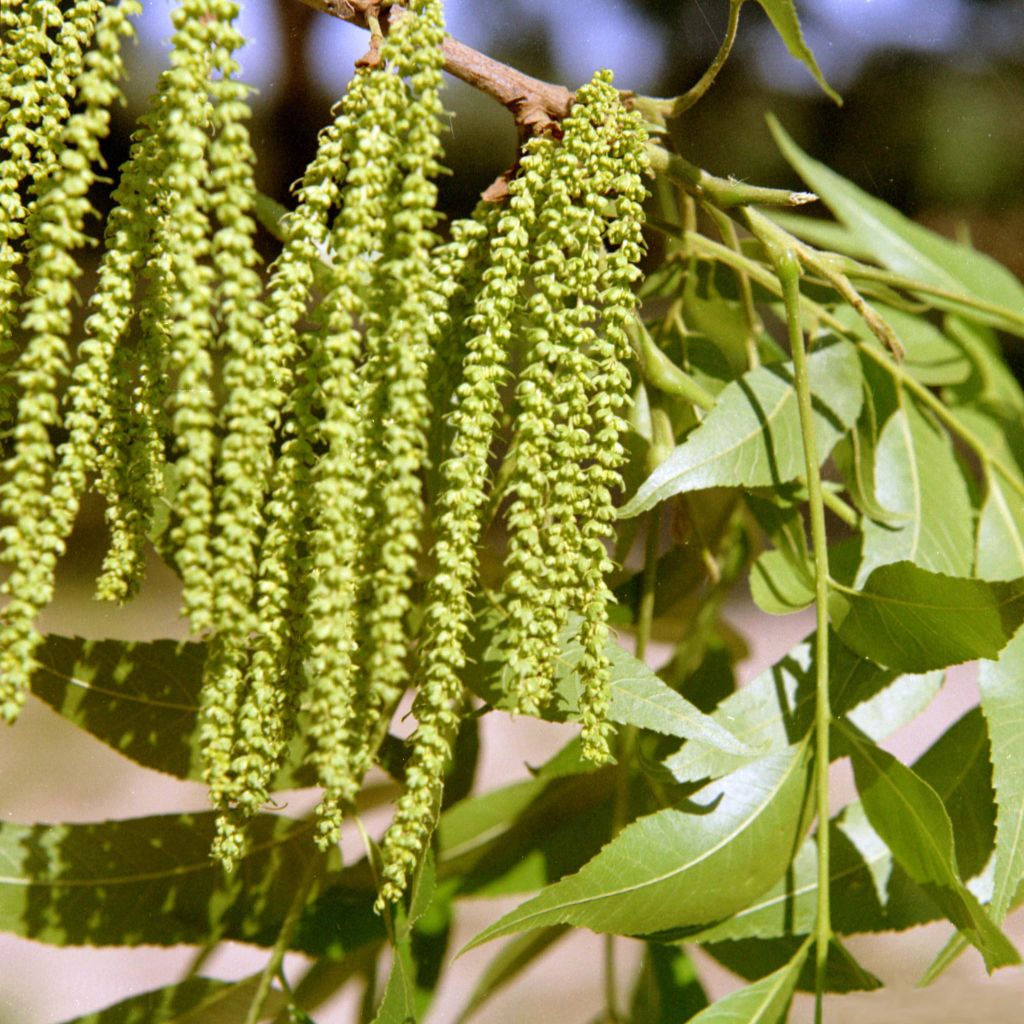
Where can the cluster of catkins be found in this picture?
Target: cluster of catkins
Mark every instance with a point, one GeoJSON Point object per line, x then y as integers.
{"type": "Point", "coordinates": [293, 418]}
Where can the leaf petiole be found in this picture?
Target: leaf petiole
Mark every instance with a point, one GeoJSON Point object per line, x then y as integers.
{"type": "Point", "coordinates": [788, 269]}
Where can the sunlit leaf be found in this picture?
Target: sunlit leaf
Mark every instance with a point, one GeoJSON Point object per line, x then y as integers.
{"type": "Point", "coordinates": [776, 708]}
{"type": "Point", "coordinates": [868, 892]}
{"type": "Point", "coordinates": [854, 456]}
{"type": "Point", "coordinates": [784, 17]}
{"type": "Point", "coordinates": [957, 767]}
{"type": "Point", "coordinates": [193, 1001]}
{"type": "Point", "coordinates": [685, 865]}
{"type": "Point", "coordinates": [908, 248]}
{"type": "Point", "coordinates": [1000, 530]}
{"type": "Point", "coordinates": [915, 620]}
{"type": "Point", "coordinates": [910, 817]}
{"type": "Point", "coordinates": [782, 578]}
{"type": "Point", "coordinates": [752, 436]}
{"type": "Point", "coordinates": [1002, 701]}
{"type": "Point", "coordinates": [918, 479]}
{"type": "Point", "coordinates": [780, 586]}
{"type": "Point", "coordinates": [764, 1002]}
{"type": "Point", "coordinates": [930, 354]}
{"type": "Point", "coordinates": [399, 1003]}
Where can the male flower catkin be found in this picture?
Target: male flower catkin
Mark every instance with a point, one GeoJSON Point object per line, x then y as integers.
{"type": "Point", "coordinates": [574, 385]}
{"type": "Point", "coordinates": [40, 491]}
{"type": "Point", "coordinates": [560, 229]}
{"type": "Point", "coordinates": [298, 429]}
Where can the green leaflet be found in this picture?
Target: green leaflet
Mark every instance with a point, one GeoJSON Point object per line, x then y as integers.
{"type": "Point", "coordinates": [399, 1003]}
{"type": "Point", "coordinates": [784, 17]}
{"type": "Point", "coordinates": [638, 696]}
{"type": "Point", "coordinates": [1000, 552]}
{"type": "Point", "coordinates": [822, 234]}
{"type": "Point", "coordinates": [419, 949]}
{"type": "Point", "coordinates": [1002, 701]}
{"type": "Point", "coordinates": [752, 436]}
{"type": "Point", "coordinates": [869, 893]}
{"type": "Point", "coordinates": [918, 479]}
{"type": "Point", "coordinates": [991, 388]}
{"type": "Point", "coordinates": [764, 1002]}
{"type": "Point", "coordinates": [957, 767]}
{"type": "Point", "coordinates": [779, 584]}
{"type": "Point", "coordinates": [141, 698]}
{"type": "Point", "coordinates": [854, 456]}
{"type": "Point", "coordinates": [689, 864]}
{"type": "Point", "coordinates": [151, 881]}
{"type": "Point", "coordinates": [776, 708]}
{"type": "Point", "coordinates": [193, 1001]}
{"type": "Point", "coordinates": [911, 619]}
{"type": "Point", "coordinates": [910, 818]}
{"type": "Point", "coordinates": [782, 578]}
{"type": "Point", "coordinates": [909, 249]}
{"type": "Point", "coordinates": [931, 356]}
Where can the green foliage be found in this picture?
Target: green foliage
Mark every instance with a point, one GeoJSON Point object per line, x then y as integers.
{"type": "Point", "coordinates": [193, 1001]}
{"type": "Point", "coordinates": [436, 463]}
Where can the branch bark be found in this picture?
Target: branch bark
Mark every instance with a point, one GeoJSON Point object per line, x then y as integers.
{"type": "Point", "coordinates": [540, 106]}
{"type": "Point", "coordinates": [536, 105]}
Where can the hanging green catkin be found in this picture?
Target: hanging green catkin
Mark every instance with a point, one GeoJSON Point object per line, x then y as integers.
{"type": "Point", "coordinates": [36, 73]}
{"type": "Point", "coordinates": [401, 338]}
{"type": "Point", "coordinates": [186, 294]}
{"type": "Point", "coordinates": [551, 425]}
{"type": "Point", "coordinates": [40, 519]}
{"type": "Point", "coordinates": [367, 484]}
{"type": "Point", "coordinates": [260, 721]}
{"type": "Point", "coordinates": [339, 477]}
{"type": "Point", "coordinates": [272, 687]}
{"type": "Point", "coordinates": [460, 265]}
{"type": "Point", "coordinates": [116, 389]}
{"type": "Point", "coordinates": [567, 450]}
{"type": "Point", "coordinates": [458, 525]}
{"type": "Point", "coordinates": [259, 378]}
{"type": "Point", "coordinates": [620, 167]}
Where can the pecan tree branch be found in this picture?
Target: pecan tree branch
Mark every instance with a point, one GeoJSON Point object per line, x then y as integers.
{"type": "Point", "coordinates": [540, 106]}
{"type": "Point", "coordinates": [535, 104]}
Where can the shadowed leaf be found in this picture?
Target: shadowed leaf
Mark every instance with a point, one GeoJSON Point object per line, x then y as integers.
{"type": "Point", "coordinates": [193, 1001]}
{"type": "Point", "coordinates": [909, 816]}
{"type": "Point", "coordinates": [915, 620]}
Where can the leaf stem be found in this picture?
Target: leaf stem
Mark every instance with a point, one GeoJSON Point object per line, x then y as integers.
{"type": "Point", "coordinates": [727, 229]}
{"type": "Point", "coordinates": [788, 269]}
{"type": "Point", "coordinates": [627, 739]}
{"type": "Point", "coordinates": [284, 937]}
{"type": "Point", "coordinates": [680, 104]}
{"type": "Point", "coordinates": [724, 193]}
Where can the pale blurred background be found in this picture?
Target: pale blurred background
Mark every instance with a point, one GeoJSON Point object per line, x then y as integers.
{"type": "Point", "coordinates": [933, 122]}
